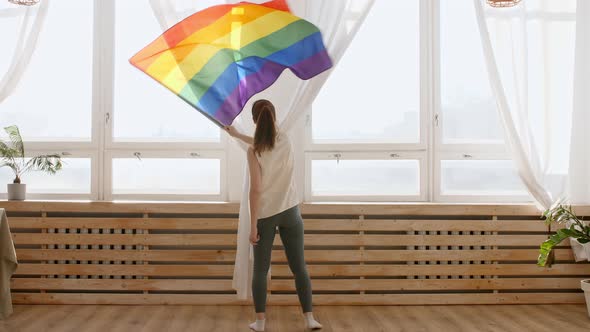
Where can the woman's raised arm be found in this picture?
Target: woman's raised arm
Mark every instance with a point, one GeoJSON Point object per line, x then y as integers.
{"type": "Point", "coordinates": [232, 131]}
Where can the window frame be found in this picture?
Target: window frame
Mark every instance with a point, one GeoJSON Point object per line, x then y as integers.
{"type": "Point", "coordinates": [430, 149]}
{"type": "Point", "coordinates": [374, 150]}
{"type": "Point", "coordinates": [110, 155]}
{"type": "Point", "coordinates": [170, 148]}
{"type": "Point", "coordinates": [72, 154]}
{"type": "Point", "coordinates": [431, 126]}
{"type": "Point", "coordinates": [472, 156]}
{"type": "Point", "coordinates": [457, 151]}
{"type": "Point", "coordinates": [364, 155]}
{"type": "Point", "coordinates": [76, 143]}
{"type": "Point", "coordinates": [76, 148]}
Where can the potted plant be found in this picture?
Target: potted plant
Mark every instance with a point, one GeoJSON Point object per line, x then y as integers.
{"type": "Point", "coordinates": [12, 155]}
{"type": "Point", "coordinates": [577, 230]}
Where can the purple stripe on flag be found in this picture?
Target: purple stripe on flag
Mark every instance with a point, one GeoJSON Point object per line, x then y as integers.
{"type": "Point", "coordinates": [265, 77]}
{"type": "Point", "coordinates": [313, 65]}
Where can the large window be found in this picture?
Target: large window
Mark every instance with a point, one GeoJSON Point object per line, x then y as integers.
{"type": "Point", "coordinates": [467, 109]}
{"type": "Point", "coordinates": [412, 92]}
{"type": "Point", "coordinates": [74, 181]}
{"type": "Point", "coordinates": [56, 91]}
{"type": "Point", "coordinates": [163, 174]}
{"type": "Point", "coordinates": [407, 115]}
{"type": "Point", "coordinates": [121, 135]}
{"type": "Point", "coordinates": [143, 109]}
{"type": "Point", "coordinates": [372, 176]}
{"type": "Point", "coordinates": [373, 96]}
{"type": "Point", "coordinates": [470, 161]}
{"type": "Point", "coordinates": [373, 101]}
{"type": "Point", "coordinates": [156, 145]}
{"type": "Point", "coordinates": [546, 62]}
{"type": "Point", "coordinates": [53, 105]}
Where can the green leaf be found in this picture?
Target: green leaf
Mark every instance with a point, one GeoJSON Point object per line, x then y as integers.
{"type": "Point", "coordinates": [50, 163]}
{"type": "Point", "coordinates": [8, 155]}
{"type": "Point", "coordinates": [569, 232]}
{"type": "Point", "coordinates": [549, 244]}
{"type": "Point", "coordinates": [16, 140]}
{"type": "Point", "coordinates": [7, 152]}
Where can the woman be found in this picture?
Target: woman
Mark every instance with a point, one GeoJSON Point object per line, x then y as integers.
{"type": "Point", "coordinates": [274, 202]}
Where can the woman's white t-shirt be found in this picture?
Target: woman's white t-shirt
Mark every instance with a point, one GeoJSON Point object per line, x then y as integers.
{"type": "Point", "coordinates": [279, 191]}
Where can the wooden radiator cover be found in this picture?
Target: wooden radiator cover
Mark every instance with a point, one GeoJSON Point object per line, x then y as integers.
{"type": "Point", "coordinates": [374, 254]}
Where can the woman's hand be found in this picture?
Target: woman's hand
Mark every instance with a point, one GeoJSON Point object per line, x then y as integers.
{"type": "Point", "coordinates": [254, 237]}
{"type": "Point", "coordinates": [232, 131]}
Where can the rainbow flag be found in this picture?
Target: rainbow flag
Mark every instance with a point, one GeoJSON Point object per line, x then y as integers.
{"type": "Point", "coordinates": [218, 58]}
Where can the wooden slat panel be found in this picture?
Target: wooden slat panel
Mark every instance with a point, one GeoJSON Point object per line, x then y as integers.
{"type": "Point", "coordinates": [122, 270]}
{"type": "Point", "coordinates": [447, 240]}
{"type": "Point", "coordinates": [476, 265]}
{"type": "Point", "coordinates": [431, 284]}
{"type": "Point", "coordinates": [122, 284]}
{"type": "Point", "coordinates": [490, 298]}
{"type": "Point", "coordinates": [308, 208]}
{"type": "Point", "coordinates": [121, 207]}
{"type": "Point", "coordinates": [331, 224]}
{"type": "Point", "coordinates": [461, 255]}
{"type": "Point", "coordinates": [129, 239]}
{"type": "Point", "coordinates": [314, 270]}
{"type": "Point", "coordinates": [127, 223]}
{"type": "Point", "coordinates": [405, 209]}
{"type": "Point", "coordinates": [128, 255]}
{"type": "Point", "coordinates": [425, 209]}
{"type": "Point", "coordinates": [310, 224]}
{"type": "Point", "coordinates": [448, 270]}
{"type": "Point", "coordinates": [310, 239]}
{"type": "Point", "coordinates": [319, 299]}
{"type": "Point", "coordinates": [141, 299]}
{"type": "Point", "coordinates": [177, 255]}
{"type": "Point", "coordinates": [279, 255]}
{"type": "Point", "coordinates": [453, 225]}
{"type": "Point", "coordinates": [288, 285]}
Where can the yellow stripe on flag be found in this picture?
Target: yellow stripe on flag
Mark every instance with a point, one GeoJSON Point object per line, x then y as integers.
{"type": "Point", "coordinates": [176, 74]}
{"type": "Point", "coordinates": [207, 35]}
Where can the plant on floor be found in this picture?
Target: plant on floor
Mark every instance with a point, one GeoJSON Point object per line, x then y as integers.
{"type": "Point", "coordinates": [575, 228]}
{"type": "Point", "coordinates": [12, 155]}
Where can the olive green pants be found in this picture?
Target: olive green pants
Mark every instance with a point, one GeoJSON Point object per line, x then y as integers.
{"type": "Point", "coordinates": [290, 226]}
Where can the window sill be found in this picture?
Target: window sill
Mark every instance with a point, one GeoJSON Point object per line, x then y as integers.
{"type": "Point", "coordinates": [309, 208]}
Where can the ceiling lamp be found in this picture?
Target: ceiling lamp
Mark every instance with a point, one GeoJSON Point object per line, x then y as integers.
{"type": "Point", "coordinates": [24, 2]}
{"type": "Point", "coordinates": [503, 3]}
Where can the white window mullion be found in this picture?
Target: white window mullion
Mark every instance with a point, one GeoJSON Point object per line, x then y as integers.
{"type": "Point", "coordinates": [470, 161]}
{"type": "Point", "coordinates": [103, 87]}
{"type": "Point", "coordinates": [151, 122]}
{"type": "Point", "coordinates": [349, 171]}
{"type": "Point", "coordinates": [166, 175]}
{"type": "Point", "coordinates": [429, 79]}
{"type": "Point", "coordinates": [478, 182]}
{"type": "Point", "coordinates": [76, 179]}
{"type": "Point", "coordinates": [373, 133]}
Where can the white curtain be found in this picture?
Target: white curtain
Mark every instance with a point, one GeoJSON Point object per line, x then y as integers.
{"type": "Point", "coordinates": [538, 59]}
{"type": "Point", "coordinates": [339, 21]}
{"type": "Point", "coordinates": [579, 168]}
{"type": "Point", "coordinates": [165, 13]}
{"type": "Point", "coordinates": [28, 23]}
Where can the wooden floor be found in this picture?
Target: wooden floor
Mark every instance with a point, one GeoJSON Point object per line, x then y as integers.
{"type": "Point", "coordinates": [521, 318]}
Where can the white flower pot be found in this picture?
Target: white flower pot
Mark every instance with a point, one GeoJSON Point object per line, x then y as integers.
{"type": "Point", "coordinates": [581, 251]}
{"type": "Point", "coordinates": [586, 288]}
{"type": "Point", "coordinates": [17, 191]}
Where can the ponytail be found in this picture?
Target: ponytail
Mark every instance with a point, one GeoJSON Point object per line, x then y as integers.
{"type": "Point", "coordinates": [263, 114]}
